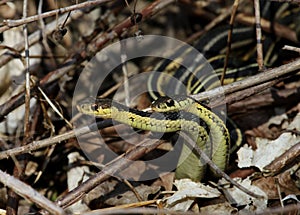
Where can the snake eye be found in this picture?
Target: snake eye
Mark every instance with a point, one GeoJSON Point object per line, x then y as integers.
{"type": "Point", "coordinates": [170, 103]}
{"type": "Point", "coordinates": [94, 107]}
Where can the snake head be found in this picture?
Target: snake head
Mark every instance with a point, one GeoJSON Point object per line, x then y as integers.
{"type": "Point", "coordinates": [168, 104]}
{"type": "Point", "coordinates": [101, 108]}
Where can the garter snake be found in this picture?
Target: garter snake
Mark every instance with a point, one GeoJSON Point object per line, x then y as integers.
{"type": "Point", "coordinates": [182, 112]}
{"type": "Point", "coordinates": [185, 115]}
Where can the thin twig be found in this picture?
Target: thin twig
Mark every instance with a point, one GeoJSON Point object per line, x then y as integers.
{"type": "Point", "coordinates": [44, 36]}
{"type": "Point", "coordinates": [260, 59]}
{"type": "Point", "coordinates": [35, 145]}
{"type": "Point", "coordinates": [229, 38]}
{"type": "Point", "coordinates": [13, 199]}
{"type": "Point", "coordinates": [242, 94]}
{"type": "Point", "coordinates": [285, 160]}
{"type": "Point", "coordinates": [133, 189]}
{"type": "Point", "coordinates": [142, 210]}
{"type": "Point", "coordinates": [125, 71]}
{"type": "Point", "coordinates": [291, 48]}
{"type": "Point", "coordinates": [15, 23]}
{"type": "Point", "coordinates": [27, 79]}
{"type": "Point", "coordinates": [54, 108]}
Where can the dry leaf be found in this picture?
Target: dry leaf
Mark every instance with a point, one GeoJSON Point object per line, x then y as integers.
{"type": "Point", "coordinates": [243, 199]}
{"type": "Point", "coordinates": [268, 150]}
{"type": "Point", "coordinates": [188, 190]}
{"type": "Point", "coordinates": [129, 197]}
{"type": "Point", "coordinates": [76, 176]}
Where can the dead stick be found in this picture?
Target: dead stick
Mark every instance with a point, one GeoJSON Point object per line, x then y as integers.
{"type": "Point", "coordinates": [35, 145]}
{"type": "Point", "coordinates": [27, 192]}
{"type": "Point", "coordinates": [15, 23]}
{"type": "Point", "coordinates": [268, 75]}
{"type": "Point", "coordinates": [259, 46]}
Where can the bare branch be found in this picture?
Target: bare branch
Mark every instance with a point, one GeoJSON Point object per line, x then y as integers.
{"type": "Point", "coordinates": [15, 23]}
{"type": "Point", "coordinates": [27, 192]}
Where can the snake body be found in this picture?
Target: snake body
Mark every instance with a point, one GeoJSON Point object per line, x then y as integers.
{"type": "Point", "coordinates": [185, 115]}
{"type": "Point", "coordinates": [219, 135]}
